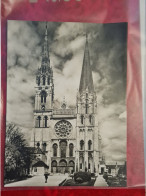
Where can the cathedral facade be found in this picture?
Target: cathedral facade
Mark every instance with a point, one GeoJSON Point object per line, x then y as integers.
{"type": "Point", "coordinates": [67, 137]}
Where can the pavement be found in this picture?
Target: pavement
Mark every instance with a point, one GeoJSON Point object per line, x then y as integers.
{"type": "Point", "coordinates": [53, 180]}
{"type": "Point", "coordinates": [100, 181]}
{"type": "Point", "coordinates": [39, 181]}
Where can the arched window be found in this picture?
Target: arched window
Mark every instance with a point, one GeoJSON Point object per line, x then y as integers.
{"type": "Point", "coordinates": [43, 97]}
{"type": "Point", "coordinates": [63, 163]}
{"type": "Point", "coordinates": [39, 121]}
{"type": "Point", "coordinates": [89, 144]}
{"type": "Point", "coordinates": [44, 147]}
{"type": "Point", "coordinates": [81, 145]}
{"type": "Point", "coordinates": [82, 119]}
{"type": "Point", "coordinates": [54, 164]}
{"type": "Point", "coordinates": [71, 150]}
{"type": "Point", "coordinates": [45, 121]}
{"type": "Point", "coordinates": [71, 163]}
{"type": "Point", "coordinates": [44, 80]}
{"type": "Point", "coordinates": [90, 119]}
{"type": "Point", "coordinates": [55, 146]}
{"type": "Point", "coordinates": [63, 145]}
{"type": "Point", "coordinates": [86, 108]}
{"type": "Point", "coordinates": [48, 80]}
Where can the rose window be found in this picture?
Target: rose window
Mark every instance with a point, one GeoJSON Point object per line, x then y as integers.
{"type": "Point", "coordinates": [63, 128]}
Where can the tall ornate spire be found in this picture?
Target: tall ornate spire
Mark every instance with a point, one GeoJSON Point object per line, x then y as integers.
{"type": "Point", "coordinates": [45, 49]}
{"type": "Point", "coordinates": [86, 81]}
{"type": "Point", "coordinates": [44, 80]}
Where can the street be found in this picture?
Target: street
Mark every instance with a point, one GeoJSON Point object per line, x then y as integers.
{"type": "Point", "coordinates": [54, 180]}
{"type": "Point", "coordinates": [100, 181]}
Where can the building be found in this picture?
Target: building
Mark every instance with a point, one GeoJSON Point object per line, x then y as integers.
{"type": "Point", "coordinates": [115, 169]}
{"type": "Point", "coordinates": [39, 159]}
{"type": "Point", "coordinates": [69, 137]}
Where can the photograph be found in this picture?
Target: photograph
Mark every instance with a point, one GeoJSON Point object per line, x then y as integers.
{"type": "Point", "coordinates": [66, 118]}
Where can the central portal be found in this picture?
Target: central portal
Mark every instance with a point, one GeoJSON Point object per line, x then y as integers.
{"type": "Point", "coordinates": [62, 166]}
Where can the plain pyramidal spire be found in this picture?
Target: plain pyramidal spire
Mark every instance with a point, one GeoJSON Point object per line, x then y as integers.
{"type": "Point", "coordinates": [86, 81]}
{"type": "Point", "coordinates": [46, 33]}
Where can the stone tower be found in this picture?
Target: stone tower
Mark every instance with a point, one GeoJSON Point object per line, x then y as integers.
{"type": "Point", "coordinates": [87, 152]}
{"type": "Point", "coordinates": [44, 81]}
{"type": "Point", "coordinates": [44, 98]}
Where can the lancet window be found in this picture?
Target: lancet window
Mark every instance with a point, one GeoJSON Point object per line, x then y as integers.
{"type": "Point", "coordinates": [44, 80]}
{"type": "Point", "coordinates": [82, 119]}
{"type": "Point", "coordinates": [89, 144]}
{"type": "Point", "coordinates": [43, 97]}
{"type": "Point", "coordinates": [81, 145]}
{"type": "Point", "coordinates": [38, 121]}
{"type": "Point", "coordinates": [71, 150]}
{"type": "Point", "coordinates": [91, 119]}
{"type": "Point", "coordinates": [55, 146]}
{"type": "Point", "coordinates": [46, 121]}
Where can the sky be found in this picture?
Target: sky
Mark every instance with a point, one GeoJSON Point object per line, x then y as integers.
{"type": "Point", "coordinates": [107, 48]}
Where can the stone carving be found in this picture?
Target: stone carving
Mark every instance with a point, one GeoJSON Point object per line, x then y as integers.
{"type": "Point", "coordinates": [63, 129]}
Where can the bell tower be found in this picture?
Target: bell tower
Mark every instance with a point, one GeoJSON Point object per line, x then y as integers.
{"type": "Point", "coordinates": [87, 127]}
{"type": "Point", "coordinates": [44, 98]}
{"type": "Point", "coordinates": [44, 80]}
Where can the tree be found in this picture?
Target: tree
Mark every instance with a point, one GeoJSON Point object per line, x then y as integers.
{"type": "Point", "coordinates": [17, 156]}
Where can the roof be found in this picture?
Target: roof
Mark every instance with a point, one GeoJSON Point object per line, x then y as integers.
{"type": "Point", "coordinates": [114, 166]}
{"type": "Point", "coordinates": [40, 164]}
{"type": "Point", "coordinates": [111, 166]}
{"type": "Point", "coordinates": [86, 81]}
{"type": "Point", "coordinates": [119, 163]}
{"type": "Point", "coordinates": [34, 150]}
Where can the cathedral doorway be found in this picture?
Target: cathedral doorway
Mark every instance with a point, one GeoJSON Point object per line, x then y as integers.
{"type": "Point", "coordinates": [54, 166]}
{"type": "Point", "coordinates": [71, 167]}
{"type": "Point", "coordinates": [62, 166]}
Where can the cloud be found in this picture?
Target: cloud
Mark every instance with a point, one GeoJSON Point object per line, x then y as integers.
{"type": "Point", "coordinates": [23, 46]}
{"type": "Point", "coordinates": [19, 92]}
{"type": "Point", "coordinates": [123, 115]}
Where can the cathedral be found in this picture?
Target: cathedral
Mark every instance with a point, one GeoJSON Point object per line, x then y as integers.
{"type": "Point", "coordinates": [66, 139]}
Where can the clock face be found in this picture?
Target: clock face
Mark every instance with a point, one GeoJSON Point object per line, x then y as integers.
{"type": "Point", "coordinates": [63, 129]}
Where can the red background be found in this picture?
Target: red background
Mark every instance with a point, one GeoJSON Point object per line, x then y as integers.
{"type": "Point", "coordinates": [95, 11]}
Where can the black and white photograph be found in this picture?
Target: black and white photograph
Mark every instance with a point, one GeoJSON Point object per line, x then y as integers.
{"type": "Point", "coordinates": [66, 121]}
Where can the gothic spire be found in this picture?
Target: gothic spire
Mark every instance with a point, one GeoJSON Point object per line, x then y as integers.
{"type": "Point", "coordinates": [45, 49]}
{"type": "Point", "coordinates": [86, 81]}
